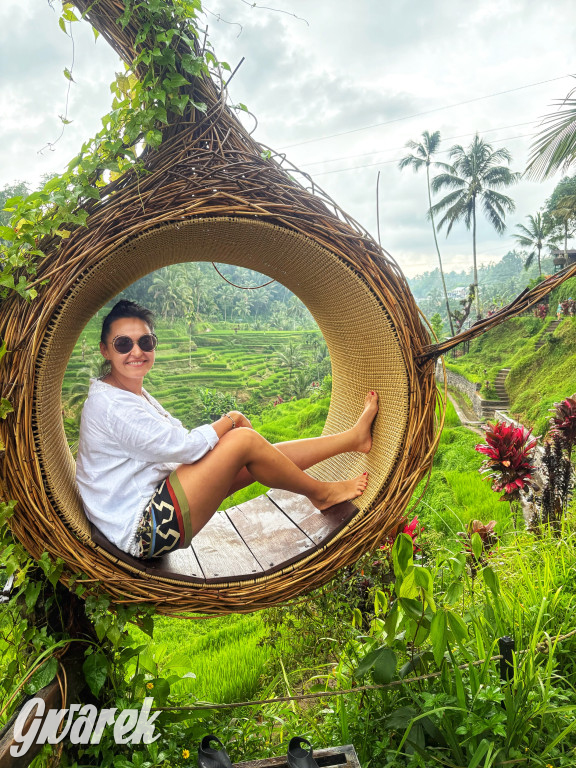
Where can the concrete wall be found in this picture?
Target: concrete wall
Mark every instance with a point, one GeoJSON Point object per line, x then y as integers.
{"type": "Point", "coordinates": [484, 409]}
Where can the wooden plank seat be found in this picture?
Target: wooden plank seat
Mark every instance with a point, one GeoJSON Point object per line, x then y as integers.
{"type": "Point", "coordinates": [261, 536]}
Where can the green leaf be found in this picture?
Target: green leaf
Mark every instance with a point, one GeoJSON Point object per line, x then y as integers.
{"type": "Point", "coordinates": [408, 586]}
{"type": "Point", "coordinates": [380, 602]}
{"type": "Point", "coordinates": [95, 670]}
{"type": "Point", "coordinates": [454, 592]}
{"type": "Point", "coordinates": [457, 626]}
{"type": "Point", "coordinates": [96, 33]}
{"type": "Point", "coordinates": [402, 553]}
{"type": "Point", "coordinates": [357, 619]}
{"type": "Point", "coordinates": [5, 405]}
{"type": "Point", "coordinates": [42, 677]}
{"type": "Point", "coordinates": [159, 692]}
{"type": "Point", "coordinates": [367, 663]}
{"type": "Point", "coordinates": [384, 666]}
{"type": "Point", "coordinates": [68, 75]}
{"type": "Point", "coordinates": [31, 594]}
{"type": "Point", "coordinates": [477, 546]}
{"type": "Point", "coordinates": [412, 608]}
{"type": "Point", "coordinates": [7, 233]}
{"type": "Point", "coordinates": [423, 578]}
{"type": "Point", "coordinates": [491, 580]}
{"type": "Point", "coordinates": [154, 138]}
{"type": "Point", "coordinates": [439, 636]}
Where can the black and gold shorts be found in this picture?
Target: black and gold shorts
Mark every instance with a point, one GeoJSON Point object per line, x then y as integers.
{"type": "Point", "coordinates": [165, 523]}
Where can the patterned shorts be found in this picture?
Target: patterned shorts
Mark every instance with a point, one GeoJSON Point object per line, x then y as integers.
{"type": "Point", "coordinates": [165, 523]}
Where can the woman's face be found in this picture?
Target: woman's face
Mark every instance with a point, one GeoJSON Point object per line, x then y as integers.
{"type": "Point", "coordinates": [136, 363]}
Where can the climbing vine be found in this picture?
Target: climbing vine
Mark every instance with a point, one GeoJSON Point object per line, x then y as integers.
{"type": "Point", "coordinates": [146, 96]}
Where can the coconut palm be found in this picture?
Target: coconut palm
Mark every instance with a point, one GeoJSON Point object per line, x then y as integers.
{"type": "Point", "coordinates": [554, 147]}
{"type": "Point", "coordinates": [422, 157]}
{"type": "Point", "coordinates": [474, 176]}
{"type": "Point", "coordinates": [536, 235]}
{"type": "Point", "coordinates": [289, 357]}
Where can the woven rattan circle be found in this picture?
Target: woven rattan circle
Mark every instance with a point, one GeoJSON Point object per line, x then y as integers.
{"type": "Point", "coordinates": [367, 352]}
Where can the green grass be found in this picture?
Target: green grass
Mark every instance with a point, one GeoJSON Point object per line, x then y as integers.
{"type": "Point", "coordinates": [223, 658]}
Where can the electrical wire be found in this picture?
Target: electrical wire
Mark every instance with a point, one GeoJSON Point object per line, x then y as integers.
{"type": "Point", "coordinates": [426, 112]}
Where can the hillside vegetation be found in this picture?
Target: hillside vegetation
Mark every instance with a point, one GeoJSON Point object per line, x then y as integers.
{"type": "Point", "coordinates": [538, 377]}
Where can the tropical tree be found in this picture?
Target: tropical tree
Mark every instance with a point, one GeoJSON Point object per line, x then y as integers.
{"type": "Point", "coordinates": [554, 148]}
{"type": "Point", "coordinates": [289, 357]}
{"type": "Point", "coordinates": [421, 157]}
{"type": "Point", "coordinates": [475, 177]}
{"type": "Point", "coordinates": [538, 233]}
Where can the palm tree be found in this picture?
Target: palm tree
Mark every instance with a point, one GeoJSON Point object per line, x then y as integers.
{"type": "Point", "coordinates": [565, 215]}
{"type": "Point", "coordinates": [554, 147]}
{"type": "Point", "coordinates": [422, 156]}
{"type": "Point", "coordinates": [535, 236]}
{"type": "Point", "coordinates": [289, 357]}
{"type": "Point", "coordinates": [475, 176]}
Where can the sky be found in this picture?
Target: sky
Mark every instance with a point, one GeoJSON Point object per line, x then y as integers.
{"type": "Point", "coordinates": [339, 87]}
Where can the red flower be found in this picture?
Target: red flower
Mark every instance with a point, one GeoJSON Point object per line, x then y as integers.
{"type": "Point", "coordinates": [509, 464]}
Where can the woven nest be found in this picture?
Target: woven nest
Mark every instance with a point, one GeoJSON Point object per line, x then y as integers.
{"type": "Point", "coordinates": [208, 194]}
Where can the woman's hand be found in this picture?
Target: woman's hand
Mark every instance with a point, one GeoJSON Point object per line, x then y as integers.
{"type": "Point", "coordinates": [224, 423]}
{"type": "Point", "coordinates": [240, 420]}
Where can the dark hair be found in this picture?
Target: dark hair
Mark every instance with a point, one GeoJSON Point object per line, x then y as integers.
{"type": "Point", "coordinates": [125, 308]}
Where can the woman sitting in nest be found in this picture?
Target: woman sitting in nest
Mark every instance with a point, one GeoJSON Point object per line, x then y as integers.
{"type": "Point", "coordinates": [149, 484]}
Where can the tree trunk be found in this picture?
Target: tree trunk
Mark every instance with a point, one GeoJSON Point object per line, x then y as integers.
{"type": "Point", "coordinates": [474, 257]}
{"type": "Point", "coordinates": [539, 264]}
{"type": "Point", "coordinates": [438, 249]}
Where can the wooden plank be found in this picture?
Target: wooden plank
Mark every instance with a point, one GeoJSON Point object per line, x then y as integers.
{"type": "Point", "coordinates": [221, 551]}
{"type": "Point", "coordinates": [319, 526]}
{"type": "Point", "coordinates": [273, 538]}
{"type": "Point", "coordinates": [334, 757]}
{"type": "Point", "coordinates": [179, 564]}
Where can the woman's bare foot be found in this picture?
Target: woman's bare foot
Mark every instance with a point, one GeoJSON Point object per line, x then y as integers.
{"type": "Point", "coordinates": [334, 493]}
{"type": "Point", "coordinates": [362, 430]}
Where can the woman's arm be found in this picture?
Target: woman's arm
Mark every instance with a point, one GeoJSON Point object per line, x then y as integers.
{"type": "Point", "coordinates": [228, 422]}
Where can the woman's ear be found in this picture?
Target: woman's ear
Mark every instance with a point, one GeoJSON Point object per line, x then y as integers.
{"type": "Point", "coordinates": [103, 351]}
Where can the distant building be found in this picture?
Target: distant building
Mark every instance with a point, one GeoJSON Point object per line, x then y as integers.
{"type": "Point", "coordinates": [562, 258]}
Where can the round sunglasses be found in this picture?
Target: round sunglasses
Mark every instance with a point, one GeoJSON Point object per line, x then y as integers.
{"type": "Point", "coordinates": [124, 344]}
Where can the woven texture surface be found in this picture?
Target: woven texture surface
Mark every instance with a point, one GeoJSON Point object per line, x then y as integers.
{"type": "Point", "coordinates": [209, 194]}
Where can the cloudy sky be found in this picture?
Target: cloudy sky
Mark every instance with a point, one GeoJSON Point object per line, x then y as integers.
{"type": "Point", "coordinates": [339, 86]}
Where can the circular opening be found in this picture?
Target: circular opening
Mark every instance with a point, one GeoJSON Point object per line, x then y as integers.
{"type": "Point", "coordinates": [363, 345]}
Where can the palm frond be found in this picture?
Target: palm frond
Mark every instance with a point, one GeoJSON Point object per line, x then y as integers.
{"type": "Point", "coordinates": [554, 148]}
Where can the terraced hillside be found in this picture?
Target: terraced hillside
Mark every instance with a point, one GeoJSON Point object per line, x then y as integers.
{"type": "Point", "coordinates": [241, 363]}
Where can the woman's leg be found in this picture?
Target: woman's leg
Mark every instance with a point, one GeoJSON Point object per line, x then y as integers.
{"type": "Point", "coordinates": [309, 451]}
{"type": "Point", "coordinates": [207, 481]}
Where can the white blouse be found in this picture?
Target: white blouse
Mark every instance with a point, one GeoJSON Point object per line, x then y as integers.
{"type": "Point", "coordinates": [128, 445]}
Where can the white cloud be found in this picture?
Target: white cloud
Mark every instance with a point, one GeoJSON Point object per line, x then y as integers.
{"type": "Point", "coordinates": [350, 67]}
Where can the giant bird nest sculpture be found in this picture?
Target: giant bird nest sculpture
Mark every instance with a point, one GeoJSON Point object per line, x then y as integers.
{"type": "Point", "coordinates": [209, 193]}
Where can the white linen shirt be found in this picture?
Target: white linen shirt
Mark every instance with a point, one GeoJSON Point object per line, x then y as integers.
{"type": "Point", "coordinates": [128, 445]}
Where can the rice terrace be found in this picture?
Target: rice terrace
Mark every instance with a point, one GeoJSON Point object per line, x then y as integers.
{"type": "Point", "coordinates": [288, 385]}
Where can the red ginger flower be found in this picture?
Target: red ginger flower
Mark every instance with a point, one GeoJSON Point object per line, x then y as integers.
{"type": "Point", "coordinates": [564, 420]}
{"type": "Point", "coordinates": [509, 464]}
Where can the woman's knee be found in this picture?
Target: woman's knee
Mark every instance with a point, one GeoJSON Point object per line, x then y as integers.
{"type": "Point", "coordinates": [242, 438]}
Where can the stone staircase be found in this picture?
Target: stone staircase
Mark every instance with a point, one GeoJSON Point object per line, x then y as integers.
{"type": "Point", "coordinates": [550, 329]}
{"type": "Point", "coordinates": [500, 387]}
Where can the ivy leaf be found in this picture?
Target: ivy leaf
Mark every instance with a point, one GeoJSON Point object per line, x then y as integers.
{"type": "Point", "coordinates": [96, 33]}
{"type": "Point", "coordinates": [68, 75]}
{"type": "Point", "coordinates": [7, 233]}
{"type": "Point", "coordinates": [42, 677]}
{"type": "Point", "coordinates": [64, 120]}
{"type": "Point", "coordinates": [95, 670]}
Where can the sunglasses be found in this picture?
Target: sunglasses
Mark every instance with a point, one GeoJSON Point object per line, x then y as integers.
{"type": "Point", "coordinates": [124, 344]}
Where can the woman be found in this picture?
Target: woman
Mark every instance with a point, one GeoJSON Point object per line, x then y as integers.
{"type": "Point", "coordinates": [149, 484]}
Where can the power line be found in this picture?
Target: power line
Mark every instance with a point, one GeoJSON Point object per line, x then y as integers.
{"type": "Point", "coordinates": [397, 159]}
{"type": "Point", "coordinates": [397, 149]}
{"type": "Point", "coordinates": [426, 112]}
